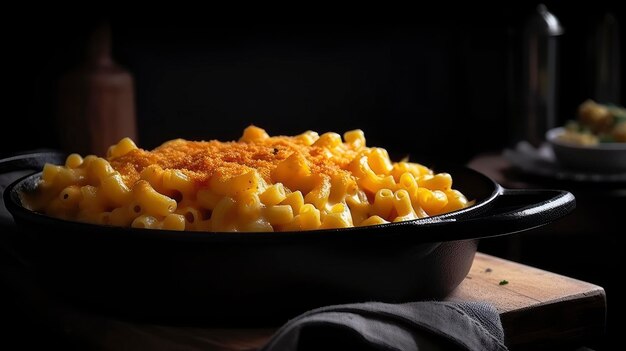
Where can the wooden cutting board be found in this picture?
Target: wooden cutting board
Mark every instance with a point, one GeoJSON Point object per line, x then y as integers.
{"type": "Point", "coordinates": [539, 310]}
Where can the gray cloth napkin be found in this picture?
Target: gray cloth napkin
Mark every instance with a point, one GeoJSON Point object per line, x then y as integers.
{"type": "Point", "coordinates": [428, 325]}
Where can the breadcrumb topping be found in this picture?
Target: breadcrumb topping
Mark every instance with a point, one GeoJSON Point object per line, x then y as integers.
{"type": "Point", "coordinates": [200, 160]}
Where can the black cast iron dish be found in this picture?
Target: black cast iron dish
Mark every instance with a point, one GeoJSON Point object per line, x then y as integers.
{"type": "Point", "coordinates": [266, 278]}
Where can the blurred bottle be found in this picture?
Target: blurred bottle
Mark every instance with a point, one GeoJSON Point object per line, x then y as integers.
{"type": "Point", "coordinates": [539, 75]}
{"type": "Point", "coordinates": [96, 100]}
{"type": "Point", "coordinates": [604, 51]}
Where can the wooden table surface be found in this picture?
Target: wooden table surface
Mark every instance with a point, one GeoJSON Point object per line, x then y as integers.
{"type": "Point", "coordinates": [539, 310]}
{"type": "Point", "coordinates": [586, 244]}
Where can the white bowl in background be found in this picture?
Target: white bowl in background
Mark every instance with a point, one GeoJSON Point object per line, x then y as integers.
{"type": "Point", "coordinates": [604, 157]}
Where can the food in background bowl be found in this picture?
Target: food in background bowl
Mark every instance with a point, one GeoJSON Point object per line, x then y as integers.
{"type": "Point", "coordinates": [258, 184]}
{"type": "Point", "coordinates": [601, 157]}
{"type": "Point", "coordinates": [596, 124]}
{"type": "Point", "coordinates": [594, 142]}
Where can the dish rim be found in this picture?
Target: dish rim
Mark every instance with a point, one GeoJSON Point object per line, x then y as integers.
{"type": "Point", "coordinates": [17, 209]}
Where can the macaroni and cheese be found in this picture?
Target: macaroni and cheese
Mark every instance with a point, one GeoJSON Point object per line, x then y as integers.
{"type": "Point", "coordinates": [259, 183]}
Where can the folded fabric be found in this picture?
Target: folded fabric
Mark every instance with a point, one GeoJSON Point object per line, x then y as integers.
{"type": "Point", "coordinates": [429, 325]}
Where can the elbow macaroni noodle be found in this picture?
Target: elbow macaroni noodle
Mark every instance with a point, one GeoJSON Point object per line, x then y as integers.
{"type": "Point", "coordinates": [260, 183]}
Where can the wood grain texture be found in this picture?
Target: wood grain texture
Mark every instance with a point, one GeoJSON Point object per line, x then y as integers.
{"type": "Point", "coordinates": [539, 309]}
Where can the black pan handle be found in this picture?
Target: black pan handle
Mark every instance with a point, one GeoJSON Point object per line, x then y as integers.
{"type": "Point", "coordinates": [523, 209]}
{"type": "Point", "coordinates": [515, 210]}
{"type": "Point", "coordinates": [32, 161]}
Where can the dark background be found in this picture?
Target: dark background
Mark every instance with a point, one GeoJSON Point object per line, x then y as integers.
{"type": "Point", "coordinates": [443, 83]}
{"type": "Point", "coordinates": [444, 86]}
